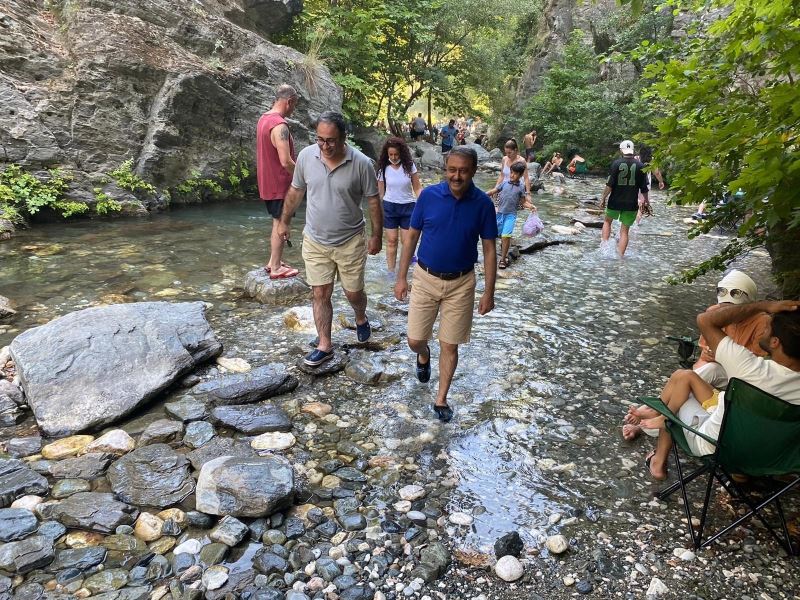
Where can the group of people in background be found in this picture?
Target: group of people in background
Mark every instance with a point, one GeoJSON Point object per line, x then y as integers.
{"type": "Point", "coordinates": [447, 220]}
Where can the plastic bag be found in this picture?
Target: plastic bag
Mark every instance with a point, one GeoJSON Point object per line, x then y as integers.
{"type": "Point", "coordinates": [533, 225]}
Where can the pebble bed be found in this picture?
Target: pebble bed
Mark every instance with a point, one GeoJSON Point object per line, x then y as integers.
{"type": "Point", "coordinates": [528, 493]}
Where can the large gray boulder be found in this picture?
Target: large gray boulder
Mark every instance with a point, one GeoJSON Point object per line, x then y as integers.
{"type": "Point", "coordinates": [154, 475]}
{"type": "Point", "coordinates": [483, 153]}
{"type": "Point", "coordinates": [92, 367]}
{"type": "Point", "coordinates": [174, 85]}
{"type": "Point", "coordinates": [427, 155]}
{"type": "Point", "coordinates": [245, 487]}
{"type": "Point", "coordinates": [94, 511]}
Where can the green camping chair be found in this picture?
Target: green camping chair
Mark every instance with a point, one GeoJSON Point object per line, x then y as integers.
{"type": "Point", "coordinates": [759, 437]}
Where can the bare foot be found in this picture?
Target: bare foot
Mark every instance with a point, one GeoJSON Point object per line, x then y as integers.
{"type": "Point", "coordinates": [630, 432]}
{"type": "Point", "coordinates": [654, 423]}
{"type": "Point", "coordinates": [643, 412]}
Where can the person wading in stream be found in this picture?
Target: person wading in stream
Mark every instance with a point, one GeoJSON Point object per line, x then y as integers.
{"type": "Point", "coordinates": [335, 177]}
{"type": "Point", "coordinates": [626, 179]}
{"type": "Point", "coordinates": [274, 169]}
{"type": "Point", "coordinates": [453, 215]}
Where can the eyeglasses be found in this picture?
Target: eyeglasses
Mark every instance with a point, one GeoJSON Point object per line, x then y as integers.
{"type": "Point", "coordinates": [327, 141]}
{"type": "Point", "coordinates": [735, 293]}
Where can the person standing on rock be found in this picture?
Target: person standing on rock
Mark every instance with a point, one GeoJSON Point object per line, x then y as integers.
{"type": "Point", "coordinates": [448, 134]}
{"type": "Point", "coordinates": [335, 178]}
{"type": "Point", "coordinates": [274, 170]}
{"type": "Point", "coordinates": [452, 215]}
{"type": "Point", "coordinates": [626, 179]}
{"type": "Point", "coordinates": [417, 127]}
{"type": "Point", "coordinates": [528, 141]}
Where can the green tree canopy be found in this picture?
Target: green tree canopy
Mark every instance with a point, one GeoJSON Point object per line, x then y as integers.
{"type": "Point", "coordinates": [731, 108]}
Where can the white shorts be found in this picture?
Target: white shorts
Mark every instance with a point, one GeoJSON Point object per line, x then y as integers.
{"type": "Point", "coordinates": [693, 414]}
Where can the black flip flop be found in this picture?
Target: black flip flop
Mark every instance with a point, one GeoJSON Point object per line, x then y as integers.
{"type": "Point", "coordinates": [647, 460]}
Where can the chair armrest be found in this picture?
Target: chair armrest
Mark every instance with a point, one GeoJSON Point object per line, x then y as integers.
{"type": "Point", "coordinates": [657, 405]}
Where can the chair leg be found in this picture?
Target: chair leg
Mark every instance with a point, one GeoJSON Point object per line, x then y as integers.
{"type": "Point", "coordinates": [682, 481]}
{"type": "Point", "coordinates": [755, 510]}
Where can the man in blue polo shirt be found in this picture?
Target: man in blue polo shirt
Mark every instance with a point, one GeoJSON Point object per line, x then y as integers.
{"type": "Point", "coordinates": [453, 215]}
{"type": "Point", "coordinates": [448, 134]}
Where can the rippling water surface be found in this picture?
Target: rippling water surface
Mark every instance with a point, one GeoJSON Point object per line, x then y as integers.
{"type": "Point", "coordinates": [576, 335]}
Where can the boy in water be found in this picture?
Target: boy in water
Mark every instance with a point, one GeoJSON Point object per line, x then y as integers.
{"type": "Point", "coordinates": [508, 197]}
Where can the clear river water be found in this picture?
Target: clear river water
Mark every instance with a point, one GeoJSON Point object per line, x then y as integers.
{"type": "Point", "coordinates": [577, 334]}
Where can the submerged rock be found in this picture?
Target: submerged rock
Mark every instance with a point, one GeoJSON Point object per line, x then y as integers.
{"type": "Point", "coordinates": [91, 367]}
{"type": "Point", "coordinates": [219, 446]}
{"type": "Point", "coordinates": [245, 487]}
{"type": "Point", "coordinates": [151, 476]}
{"type": "Point", "coordinates": [509, 545]}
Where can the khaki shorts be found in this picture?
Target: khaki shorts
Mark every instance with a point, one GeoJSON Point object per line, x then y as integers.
{"type": "Point", "coordinates": [455, 299]}
{"type": "Point", "coordinates": [348, 260]}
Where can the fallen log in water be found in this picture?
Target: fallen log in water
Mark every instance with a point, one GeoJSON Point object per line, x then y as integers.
{"type": "Point", "coordinates": [536, 245]}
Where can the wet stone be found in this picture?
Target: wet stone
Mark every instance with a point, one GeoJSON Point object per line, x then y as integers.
{"type": "Point", "coordinates": [229, 531]}
{"type": "Point", "coordinates": [187, 408]}
{"type": "Point", "coordinates": [26, 555]}
{"type": "Point", "coordinates": [151, 476]}
{"type": "Point", "coordinates": [199, 520]}
{"type": "Point", "coordinates": [51, 529]}
{"type": "Point", "coordinates": [268, 563]}
{"type": "Point", "coordinates": [294, 528]}
{"type": "Point", "coordinates": [334, 365]}
{"type": "Point", "coordinates": [256, 385]}
{"type": "Point", "coordinates": [115, 442]}
{"type": "Point", "coordinates": [350, 474]}
{"type": "Point", "coordinates": [124, 543]}
{"type": "Point", "coordinates": [584, 587]}
{"type": "Point", "coordinates": [18, 480]}
{"type": "Point", "coordinates": [24, 446]}
{"type": "Point", "coordinates": [213, 554]}
{"type": "Point", "coordinates": [88, 466]}
{"type": "Point", "coordinates": [106, 581]}
{"type": "Point", "coordinates": [252, 418]}
{"type": "Point", "coordinates": [160, 432]}
{"type": "Point", "coordinates": [328, 569]}
{"type": "Point", "coordinates": [327, 529]}
{"type": "Point", "coordinates": [16, 523]}
{"type": "Point", "coordinates": [218, 447]}
{"type": "Point", "coordinates": [245, 487]}
{"type": "Point", "coordinates": [273, 536]}
{"type": "Point", "coordinates": [66, 487]}
{"type": "Point", "coordinates": [198, 434]}
{"type": "Point", "coordinates": [181, 562]}
{"type": "Point", "coordinates": [94, 511]}
{"type": "Point", "coordinates": [353, 522]}
{"type": "Point", "coordinates": [509, 545]}
{"type": "Point", "coordinates": [357, 592]}
{"type": "Point", "coordinates": [78, 558]}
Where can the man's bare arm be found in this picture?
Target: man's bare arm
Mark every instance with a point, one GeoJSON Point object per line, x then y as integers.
{"type": "Point", "coordinates": [280, 137]}
{"type": "Point", "coordinates": [376, 220]}
{"type": "Point", "coordinates": [712, 322]}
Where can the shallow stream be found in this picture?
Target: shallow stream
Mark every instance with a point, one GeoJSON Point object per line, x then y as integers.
{"type": "Point", "coordinates": [577, 334]}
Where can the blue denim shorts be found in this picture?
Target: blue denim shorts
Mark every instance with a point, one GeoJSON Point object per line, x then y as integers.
{"type": "Point", "coordinates": [397, 215]}
{"type": "Point", "coordinates": [505, 224]}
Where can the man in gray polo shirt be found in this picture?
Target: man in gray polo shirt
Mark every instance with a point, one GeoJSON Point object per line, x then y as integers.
{"type": "Point", "coordinates": [335, 178]}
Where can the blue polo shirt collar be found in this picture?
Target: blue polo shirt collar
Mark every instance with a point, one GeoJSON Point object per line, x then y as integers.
{"type": "Point", "coordinates": [467, 196]}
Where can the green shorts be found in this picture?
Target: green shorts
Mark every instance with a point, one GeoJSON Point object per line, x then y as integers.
{"type": "Point", "coordinates": [626, 217]}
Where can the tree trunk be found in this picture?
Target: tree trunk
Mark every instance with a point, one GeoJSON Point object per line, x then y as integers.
{"type": "Point", "coordinates": [430, 120]}
{"type": "Point", "coordinates": [782, 244]}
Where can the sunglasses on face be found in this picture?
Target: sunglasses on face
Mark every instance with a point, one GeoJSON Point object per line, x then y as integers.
{"type": "Point", "coordinates": [735, 293]}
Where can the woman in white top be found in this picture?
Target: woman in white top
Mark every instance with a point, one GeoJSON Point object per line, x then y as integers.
{"type": "Point", "coordinates": [398, 187]}
{"type": "Point", "coordinates": [513, 156]}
